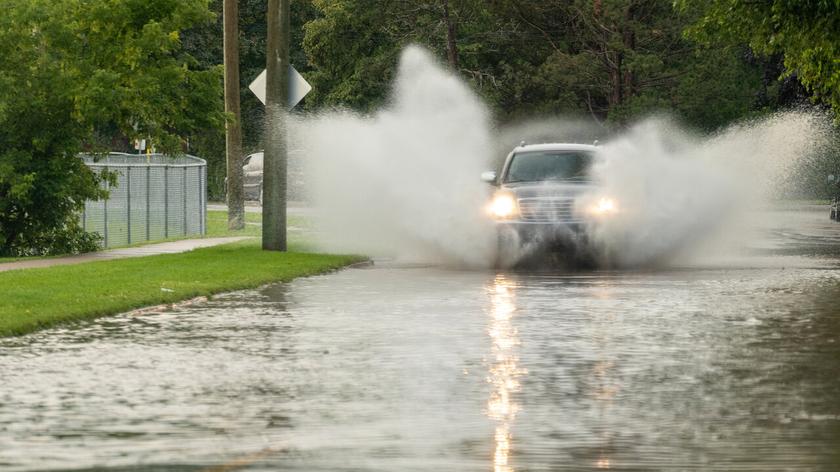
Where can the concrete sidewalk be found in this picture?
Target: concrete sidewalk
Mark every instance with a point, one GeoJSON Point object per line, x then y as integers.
{"type": "Point", "coordinates": [292, 208]}
{"type": "Point", "coordinates": [171, 247]}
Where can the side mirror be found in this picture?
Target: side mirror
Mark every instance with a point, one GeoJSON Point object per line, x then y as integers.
{"type": "Point", "coordinates": [489, 177]}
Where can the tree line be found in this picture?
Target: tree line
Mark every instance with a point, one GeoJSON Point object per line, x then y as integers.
{"type": "Point", "coordinates": [86, 74]}
{"type": "Point", "coordinates": [608, 61]}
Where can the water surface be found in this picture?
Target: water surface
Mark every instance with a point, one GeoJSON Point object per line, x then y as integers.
{"type": "Point", "coordinates": [424, 368]}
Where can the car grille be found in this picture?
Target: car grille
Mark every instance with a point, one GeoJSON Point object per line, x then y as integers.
{"type": "Point", "coordinates": [547, 209]}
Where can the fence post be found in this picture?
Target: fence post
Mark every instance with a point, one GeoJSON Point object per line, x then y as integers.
{"type": "Point", "coordinates": [202, 201]}
{"type": "Point", "coordinates": [128, 200]}
{"type": "Point", "coordinates": [204, 195]}
{"type": "Point", "coordinates": [166, 201]}
{"type": "Point", "coordinates": [148, 203]}
{"type": "Point", "coordinates": [184, 193]}
{"type": "Point", "coordinates": [105, 217]}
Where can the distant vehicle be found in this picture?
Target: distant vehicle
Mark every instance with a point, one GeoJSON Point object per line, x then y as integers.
{"type": "Point", "coordinates": [252, 176]}
{"type": "Point", "coordinates": [834, 207]}
{"type": "Point", "coordinates": [538, 206]}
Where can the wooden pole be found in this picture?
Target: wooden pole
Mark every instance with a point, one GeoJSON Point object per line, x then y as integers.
{"type": "Point", "coordinates": [233, 127]}
{"type": "Point", "coordinates": [451, 44]}
{"type": "Point", "coordinates": [276, 98]}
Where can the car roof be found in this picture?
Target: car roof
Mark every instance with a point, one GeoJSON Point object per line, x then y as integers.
{"type": "Point", "coordinates": [555, 147]}
{"type": "Point", "coordinates": [260, 154]}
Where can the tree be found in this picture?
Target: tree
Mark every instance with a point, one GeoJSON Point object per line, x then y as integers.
{"type": "Point", "coordinates": [807, 32]}
{"type": "Point", "coordinates": [233, 128]}
{"type": "Point", "coordinates": [353, 46]}
{"type": "Point", "coordinates": [74, 69]}
{"type": "Point", "coordinates": [610, 61]}
{"type": "Point", "coordinates": [616, 60]}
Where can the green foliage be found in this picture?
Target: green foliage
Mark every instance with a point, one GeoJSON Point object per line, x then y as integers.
{"type": "Point", "coordinates": [72, 70]}
{"type": "Point", "coordinates": [608, 60]}
{"type": "Point", "coordinates": [352, 52]}
{"type": "Point", "coordinates": [807, 32]}
{"type": "Point", "coordinates": [56, 241]}
{"type": "Point", "coordinates": [353, 46]}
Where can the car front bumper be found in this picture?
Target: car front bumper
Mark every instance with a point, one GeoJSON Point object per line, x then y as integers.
{"type": "Point", "coordinates": [547, 236]}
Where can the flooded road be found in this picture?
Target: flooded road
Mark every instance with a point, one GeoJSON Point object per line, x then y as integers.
{"type": "Point", "coordinates": [404, 368]}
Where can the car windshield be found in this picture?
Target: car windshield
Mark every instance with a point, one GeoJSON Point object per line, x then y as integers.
{"type": "Point", "coordinates": [535, 166]}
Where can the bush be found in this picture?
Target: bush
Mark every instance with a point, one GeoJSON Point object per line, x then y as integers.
{"type": "Point", "coordinates": [71, 70]}
{"type": "Point", "coordinates": [69, 239]}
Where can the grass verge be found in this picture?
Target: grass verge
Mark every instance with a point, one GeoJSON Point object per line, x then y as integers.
{"type": "Point", "coordinates": [34, 299]}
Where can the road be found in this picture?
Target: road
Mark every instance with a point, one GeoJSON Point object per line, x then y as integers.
{"type": "Point", "coordinates": [728, 365]}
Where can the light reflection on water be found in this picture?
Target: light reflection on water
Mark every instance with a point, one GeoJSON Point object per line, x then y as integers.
{"type": "Point", "coordinates": [504, 370]}
{"type": "Point", "coordinates": [417, 369]}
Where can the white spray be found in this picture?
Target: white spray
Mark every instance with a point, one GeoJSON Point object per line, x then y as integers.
{"type": "Point", "coordinates": [404, 182]}
{"type": "Point", "coordinates": [677, 191]}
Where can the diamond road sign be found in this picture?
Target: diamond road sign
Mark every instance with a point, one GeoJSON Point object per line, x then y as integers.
{"type": "Point", "coordinates": [298, 87]}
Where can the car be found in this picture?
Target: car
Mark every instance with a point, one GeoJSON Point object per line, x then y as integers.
{"type": "Point", "coordinates": [545, 201]}
{"type": "Point", "coordinates": [252, 176]}
{"type": "Point", "coordinates": [834, 206]}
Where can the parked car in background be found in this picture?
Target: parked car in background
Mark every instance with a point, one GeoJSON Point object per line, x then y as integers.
{"type": "Point", "coordinates": [252, 176]}
{"type": "Point", "coordinates": [545, 200]}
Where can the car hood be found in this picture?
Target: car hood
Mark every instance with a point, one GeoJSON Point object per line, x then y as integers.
{"type": "Point", "coordinates": [549, 189]}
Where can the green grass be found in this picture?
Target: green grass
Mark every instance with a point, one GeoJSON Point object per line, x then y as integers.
{"type": "Point", "coordinates": [34, 299]}
{"type": "Point", "coordinates": [14, 259]}
{"type": "Point", "coordinates": [217, 224]}
{"type": "Point", "coordinates": [809, 202]}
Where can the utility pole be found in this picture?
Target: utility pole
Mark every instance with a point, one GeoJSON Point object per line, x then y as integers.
{"type": "Point", "coordinates": [275, 158]}
{"type": "Point", "coordinates": [233, 129]}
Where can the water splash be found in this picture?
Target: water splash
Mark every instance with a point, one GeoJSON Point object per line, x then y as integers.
{"type": "Point", "coordinates": [678, 192]}
{"type": "Point", "coordinates": [403, 182]}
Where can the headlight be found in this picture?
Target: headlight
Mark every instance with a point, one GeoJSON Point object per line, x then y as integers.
{"type": "Point", "coordinates": [605, 206]}
{"type": "Point", "coordinates": [503, 205]}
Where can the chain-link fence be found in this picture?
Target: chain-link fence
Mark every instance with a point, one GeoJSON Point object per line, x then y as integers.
{"type": "Point", "coordinates": [156, 197]}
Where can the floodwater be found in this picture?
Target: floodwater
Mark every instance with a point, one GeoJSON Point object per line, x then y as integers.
{"type": "Point", "coordinates": [407, 368]}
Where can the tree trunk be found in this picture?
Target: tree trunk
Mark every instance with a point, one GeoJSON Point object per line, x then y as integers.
{"type": "Point", "coordinates": [276, 98]}
{"type": "Point", "coordinates": [629, 41]}
{"type": "Point", "coordinates": [451, 45]}
{"type": "Point", "coordinates": [233, 127]}
{"type": "Point", "coordinates": [616, 84]}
